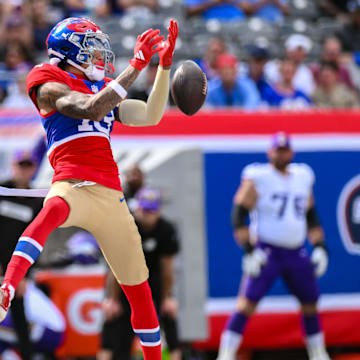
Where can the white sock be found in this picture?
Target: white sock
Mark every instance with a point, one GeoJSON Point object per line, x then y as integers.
{"type": "Point", "coordinates": [316, 346]}
{"type": "Point", "coordinates": [229, 344]}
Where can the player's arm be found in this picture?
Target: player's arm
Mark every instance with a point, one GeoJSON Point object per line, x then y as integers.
{"type": "Point", "coordinates": [56, 96]}
{"type": "Point", "coordinates": [315, 231]}
{"type": "Point", "coordinates": [138, 113]}
{"type": "Point", "coordinates": [168, 303]}
{"type": "Point", "coordinates": [111, 304]}
{"type": "Point", "coordinates": [319, 256]}
{"type": "Point", "coordinates": [112, 287]}
{"type": "Point", "coordinates": [244, 200]}
{"type": "Point", "coordinates": [133, 112]}
{"type": "Point", "coordinates": [167, 265]}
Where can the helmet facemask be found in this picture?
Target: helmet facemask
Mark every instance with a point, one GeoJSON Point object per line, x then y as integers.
{"type": "Point", "coordinates": [93, 46]}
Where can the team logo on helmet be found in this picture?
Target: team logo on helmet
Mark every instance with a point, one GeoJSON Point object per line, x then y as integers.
{"type": "Point", "coordinates": [348, 215]}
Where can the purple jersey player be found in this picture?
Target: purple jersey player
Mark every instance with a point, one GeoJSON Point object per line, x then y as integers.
{"type": "Point", "coordinates": [279, 197]}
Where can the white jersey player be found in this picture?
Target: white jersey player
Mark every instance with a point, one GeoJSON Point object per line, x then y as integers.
{"type": "Point", "coordinates": [279, 214]}
{"type": "Point", "coordinates": [278, 196]}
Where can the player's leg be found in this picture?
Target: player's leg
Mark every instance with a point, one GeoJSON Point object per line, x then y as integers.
{"type": "Point", "coordinates": [117, 335]}
{"type": "Point", "coordinates": [120, 243]}
{"type": "Point", "coordinates": [144, 319]}
{"type": "Point", "coordinates": [124, 335]}
{"type": "Point", "coordinates": [107, 340]}
{"type": "Point", "coordinates": [30, 244]}
{"type": "Point", "coordinates": [314, 337]}
{"type": "Point", "coordinates": [252, 289]}
{"type": "Point", "coordinates": [169, 325]}
{"type": "Point", "coordinates": [21, 327]}
{"type": "Point", "coordinates": [65, 205]}
{"type": "Point", "coordinates": [232, 335]}
{"type": "Point", "coordinates": [300, 278]}
{"type": "Point", "coordinates": [117, 338]}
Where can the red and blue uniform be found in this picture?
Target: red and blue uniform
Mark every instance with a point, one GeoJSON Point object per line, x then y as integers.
{"type": "Point", "coordinates": [80, 149]}
{"type": "Point", "coordinates": [77, 148]}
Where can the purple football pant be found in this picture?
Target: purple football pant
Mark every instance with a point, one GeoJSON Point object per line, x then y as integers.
{"type": "Point", "coordinates": [293, 265]}
{"type": "Point", "coordinates": [47, 341]}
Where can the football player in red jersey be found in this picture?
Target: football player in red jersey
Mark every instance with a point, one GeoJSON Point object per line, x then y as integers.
{"type": "Point", "coordinates": [78, 106]}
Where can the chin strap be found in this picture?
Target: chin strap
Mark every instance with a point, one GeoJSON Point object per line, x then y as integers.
{"type": "Point", "coordinates": [91, 75]}
{"type": "Point", "coordinates": [55, 61]}
{"type": "Point", "coordinates": [92, 72]}
{"type": "Point", "coordinates": [72, 63]}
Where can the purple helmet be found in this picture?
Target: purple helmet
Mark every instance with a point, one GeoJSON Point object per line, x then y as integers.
{"type": "Point", "coordinates": [83, 248]}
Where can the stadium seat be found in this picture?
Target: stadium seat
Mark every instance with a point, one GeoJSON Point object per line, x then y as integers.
{"type": "Point", "coordinates": [196, 25]}
{"type": "Point", "coordinates": [327, 26]}
{"type": "Point", "coordinates": [304, 8]}
{"type": "Point", "coordinates": [299, 26]}
{"type": "Point", "coordinates": [171, 8]}
{"type": "Point", "coordinates": [124, 46]}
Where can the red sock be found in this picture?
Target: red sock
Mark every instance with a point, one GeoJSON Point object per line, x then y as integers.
{"type": "Point", "coordinates": [31, 242]}
{"type": "Point", "coordinates": [144, 319]}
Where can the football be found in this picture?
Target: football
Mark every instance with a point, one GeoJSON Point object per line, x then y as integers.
{"type": "Point", "coordinates": [189, 87]}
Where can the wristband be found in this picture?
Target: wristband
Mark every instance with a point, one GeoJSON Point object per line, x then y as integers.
{"type": "Point", "coordinates": [321, 244]}
{"type": "Point", "coordinates": [312, 218]}
{"type": "Point", "coordinates": [239, 215]}
{"type": "Point", "coordinates": [248, 247]}
{"type": "Point", "coordinates": [117, 88]}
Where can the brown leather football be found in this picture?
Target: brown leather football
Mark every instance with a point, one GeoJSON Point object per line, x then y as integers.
{"type": "Point", "coordinates": [189, 87]}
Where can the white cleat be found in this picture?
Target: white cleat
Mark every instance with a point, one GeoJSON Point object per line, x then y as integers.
{"type": "Point", "coordinates": [319, 354]}
{"type": "Point", "coordinates": [323, 357]}
{"type": "Point", "coordinates": [226, 355]}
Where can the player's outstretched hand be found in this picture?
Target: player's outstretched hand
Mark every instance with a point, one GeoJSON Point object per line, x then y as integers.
{"type": "Point", "coordinates": [254, 261]}
{"type": "Point", "coordinates": [167, 47]}
{"type": "Point", "coordinates": [145, 48]}
{"type": "Point", "coordinates": [320, 259]}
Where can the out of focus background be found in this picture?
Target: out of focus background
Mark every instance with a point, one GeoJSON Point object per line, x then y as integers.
{"type": "Point", "coordinates": [295, 67]}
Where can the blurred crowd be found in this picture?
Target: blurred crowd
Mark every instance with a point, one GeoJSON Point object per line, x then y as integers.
{"type": "Point", "coordinates": [304, 71]}
{"type": "Point", "coordinates": [289, 82]}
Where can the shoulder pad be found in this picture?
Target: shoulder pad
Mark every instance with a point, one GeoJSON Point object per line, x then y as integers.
{"type": "Point", "coordinates": [43, 73]}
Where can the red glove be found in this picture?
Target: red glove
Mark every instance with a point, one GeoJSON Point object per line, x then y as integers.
{"type": "Point", "coordinates": [145, 48]}
{"type": "Point", "coordinates": [167, 47]}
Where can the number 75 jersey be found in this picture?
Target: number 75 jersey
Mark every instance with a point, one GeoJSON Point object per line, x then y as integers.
{"type": "Point", "coordinates": [279, 216]}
